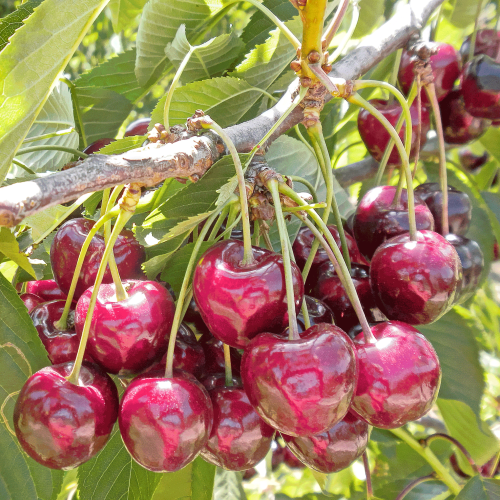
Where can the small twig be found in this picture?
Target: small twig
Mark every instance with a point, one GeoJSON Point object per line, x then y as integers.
{"type": "Point", "coordinates": [334, 24]}
{"type": "Point", "coordinates": [414, 484]}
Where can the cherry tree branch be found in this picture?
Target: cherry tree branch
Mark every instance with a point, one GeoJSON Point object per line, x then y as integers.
{"type": "Point", "coordinates": [194, 156]}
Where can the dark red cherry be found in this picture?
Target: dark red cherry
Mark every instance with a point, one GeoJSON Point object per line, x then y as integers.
{"type": "Point", "coordinates": [300, 387]}
{"type": "Point", "coordinates": [165, 423]}
{"type": "Point", "coordinates": [459, 207]}
{"type": "Point", "coordinates": [330, 290]}
{"type": "Point", "coordinates": [445, 64]}
{"type": "Point", "coordinates": [210, 382]}
{"type": "Point", "coordinates": [62, 425]}
{"type": "Point", "coordinates": [31, 301]}
{"type": "Point", "coordinates": [399, 376]}
{"type": "Point", "coordinates": [471, 161]}
{"type": "Point", "coordinates": [376, 137]}
{"type": "Point", "coordinates": [292, 461]}
{"type": "Point", "coordinates": [137, 127]}
{"type": "Point", "coordinates": [188, 353]}
{"type": "Point", "coordinates": [318, 311]}
{"type": "Point", "coordinates": [471, 258]}
{"type": "Point", "coordinates": [248, 474]}
{"type": "Point", "coordinates": [335, 449]}
{"type": "Point", "coordinates": [239, 439]}
{"type": "Point", "coordinates": [61, 345]}
{"type": "Point", "coordinates": [377, 220]}
{"type": "Point", "coordinates": [487, 43]}
{"type": "Point", "coordinates": [194, 320]}
{"type": "Point", "coordinates": [46, 289]}
{"type": "Point", "coordinates": [127, 336]}
{"type": "Point", "coordinates": [459, 127]}
{"type": "Point", "coordinates": [66, 246]}
{"type": "Point", "coordinates": [214, 356]}
{"type": "Point", "coordinates": [415, 281]}
{"type": "Point", "coordinates": [237, 302]}
{"type": "Point", "coordinates": [481, 87]}
{"type": "Point", "coordinates": [97, 145]}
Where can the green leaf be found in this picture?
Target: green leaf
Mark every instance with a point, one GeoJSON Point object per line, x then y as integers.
{"type": "Point", "coordinates": [491, 142]}
{"type": "Point", "coordinates": [194, 482]}
{"type": "Point", "coordinates": [114, 474]}
{"type": "Point", "coordinates": [10, 248]}
{"type": "Point", "coordinates": [210, 59]}
{"type": "Point", "coordinates": [116, 74]}
{"type": "Point", "coordinates": [10, 23]}
{"type": "Point", "coordinates": [55, 116]}
{"type": "Point", "coordinates": [40, 260]}
{"type": "Point", "coordinates": [159, 254]}
{"type": "Point", "coordinates": [29, 65]}
{"type": "Point", "coordinates": [123, 145]}
{"type": "Point", "coordinates": [123, 12]}
{"type": "Point", "coordinates": [226, 100]}
{"type": "Point", "coordinates": [464, 426]}
{"type": "Point", "coordinates": [480, 488]}
{"type": "Point", "coordinates": [228, 485]}
{"type": "Point", "coordinates": [370, 15]}
{"type": "Point", "coordinates": [464, 13]}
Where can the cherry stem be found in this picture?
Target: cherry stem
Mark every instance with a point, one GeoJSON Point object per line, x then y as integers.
{"type": "Point", "coordinates": [233, 211]}
{"type": "Point", "coordinates": [182, 295]}
{"type": "Point", "coordinates": [334, 25]}
{"type": "Point", "coordinates": [306, 183]}
{"type": "Point", "coordinates": [48, 147]}
{"type": "Point", "coordinates": [344, 150]}
{"type": "Point", "coordinates": [62, 323]}
{"type": "Point", "coordinates": [427, 441]}
{"type": "Point", "coordinates": [227, 365]}
{"type": "Point", "coordinates": [267, 240]}
{"type": "Point", "coordinates": [472, 46]}
{"type": "Point", "coordinates": [303, 139]}
{"type": "Point", "coordinates": [419, 128]}
{"type": "Point", "coordinates": [104, 201]}
{"type": "Point", "coordinates": [348, 35]}
{"type": "Point", "coordinates": [293, 332]}
{"type": "Point", "coordinates": [122, 219]}
{"type": "Point", "coordinates": [443, 180]}
{"type": "Point", "coordinates": [256, 232]}
{"type": "Point", "coordinates": [414, 484]}
{"type": "Point", "coordinates": [357, 99]}
{"type": "Point", "coordinates": [369, 487]}
{"type": "Point", "coordinates": [343, 273]}
{"type": "Point", "coordinates": [426, 453]}
{"type": "Point", "coordinates": [218, 223]}
{"type": "Point", "coordinates": [248, 258]}
{"type": "Point", "coordinates": [395, 70]}
{"type": "Point", "coordinates": [390, 145]}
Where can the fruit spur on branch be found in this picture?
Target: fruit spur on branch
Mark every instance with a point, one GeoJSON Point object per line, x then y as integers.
{"type": "Point", "coordinates": [236, 344]}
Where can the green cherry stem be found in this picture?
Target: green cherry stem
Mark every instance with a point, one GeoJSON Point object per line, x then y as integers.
{"type": "Point", "coordinates": [224, 213]}
{"type": "Point", "coordinates": [227, 365]}
{"type": "Point", "coordinates": [369, 487]}
{"type": "Point", "coordinates": [428, 440]}
{"type": "Point", "coordinates": [122, 219]}
{"type": "Point", "coordinates": [48, 147]}
{"type": "Point", "coordinates": [293, 332]}
{"type": "Point", "coordinates": [344, 150]}
{"type": "Point", "coordinates": [48, 136]}
{"type": "Point", "coordinates": [169, 369]}
{"type": "Point", "coordinates": [104, 201]}
{"type": "Point", "coordinates": [335, 23]}
{"type": "Point", "coordinates": [358, 100]}
{"type": "Point", "coordinates": [348, 35]}
{"type": "Point", "coordinates": [414, 484]}
{"type": "Point", "coordinates": [256, 232]}
{"type": "Point", "coordinates": [307, 184]}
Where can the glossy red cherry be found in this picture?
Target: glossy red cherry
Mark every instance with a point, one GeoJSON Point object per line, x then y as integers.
{"type": "Point", "coordinates": [487, 43]}
{"type": "Point", "coordinates": [62, 425]}
{"type": "Point", "coordinates": [214, 356]}
{"type": "Point", "coordinates": [237, 302]}
{"type": "Point", "coordinates": [376, 137]}
{"type": "Point", "coordinates": [481, 87]}
{"type": "Point", "coordinates": [46, 289]}
{"type": "Point", "coordinates": [301, 387]}
{"type": "Point", "coordinates": [415, 281]}
{"type": "Point", "coordinates": [376, 219]}
{"type": "Point", "coordinates": [210, 382]}
{"type": "Point", "coordinates": [445, 64]}
{"type": "Point", "coordinates": [471, 258]}
{"type": "Point", "coordinates": [399, 376]}
{"type": "Point", "coordinates": [459, 127]}
{"type": "Point", "coordinates": [61, 345]}
{"type": "Point", "coordinates": [459, 207]}
{"type": "Point", "coordinates": [471, 161]}
{"type": "Point", "coordinates": [165, 423]}
{"type": "Point", "coordinates": [239, 439]}
{"type": "Point", "coordinates": [97, 145]}
{"type": "Point", "coordinates": [127, 336]}
{"type": "Point", "coordinates": [66, 246]}
{"type": "Point", "coordinates": [137, 127]}
{"type": "Point", "coordinates": [334, 449]}
{"type": "Point", "coordinates": [330, 290]}
{"type": "Point", "coordinates": [31, 301]}
{"type": "Point", "coordinates": [318, 311]}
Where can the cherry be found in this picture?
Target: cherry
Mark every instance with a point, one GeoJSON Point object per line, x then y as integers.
{"type": "Point", "coordinates": [31, 301]}
{"type": "Point", "coordinates": [470, 161]}
{"type": "Point", "coordinates": [214, 356]}
{"type": "Point", "coordinates": [237, 302]}
{"type": "Point", "coordinates": [210, 382]}
{"type": "Point", "coordinates": [415, 281]}
{"type": "Point", "coordinates": [137, 127]}
{"type": "Point", "coordinates": [62, 425]}
{"type": "Point", "coordinates": [330, 290]}
{"type": "Point", "coordinates": [239, 439]}
{"type": "Point", "coordinates": [61, 345]}
{"type": "Point", "coordinates": [376, 219]}
{"type": "Point", "coordinates": [445, 64]}
{"type": "Point", "coordinates": [472, 262]}
{"type": "Point", "coordinates": [459, 127]}
{"type": "Point", "coordinates": [487, 43]}
{"type": "Point", "coordinates": [335, 449]}
{"type": "Point", "coordinates": [127, 336]}
{"type": "Point", "coordinates": [481, 87]}
{"type": "Point", "coordinates": [376, 137]}
{"type": "Point", "coordinates": [459, 207]}
{"type": "Point", "coordinates": [292, 461]}
{"type": "Point", "coordinates": [318, 311]}
{"type": "Point", "coordinates": [46, 289]}
{"type": "Point", "coordinates": [66, 246]}
{"type": "Point", "coordinates": [165, 422]}
{"type": "Point", "coordinates": [300, 387]}
{"type": "Point", "coordinates": [188, 353]}
{"type": "Point", "coordinates": [399, 376]}
{"type": "Point", "coordinates": [284, 455]}
{"type": "Point", "coordinates": [194, 320]}
{"type": "Point", "coordinates": [97, 145]}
